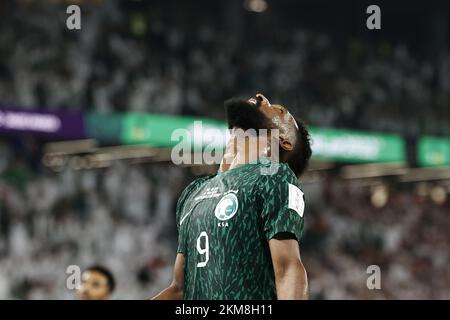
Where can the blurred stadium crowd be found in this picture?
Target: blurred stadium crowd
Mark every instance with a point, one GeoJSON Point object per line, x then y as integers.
{"type": "Point", "coordinates": [123, 216]}
{"type": "Point", "coordinates": [407, 238]}
{"type": "Point", "coordinates": [126, 60]}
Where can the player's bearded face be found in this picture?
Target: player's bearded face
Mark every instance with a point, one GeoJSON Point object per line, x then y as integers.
{"type": "Point", "coordinates": [246, 115]}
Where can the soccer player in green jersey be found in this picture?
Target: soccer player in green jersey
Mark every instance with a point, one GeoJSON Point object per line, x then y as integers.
{"type": "Point", "coordinates": [240, 229]}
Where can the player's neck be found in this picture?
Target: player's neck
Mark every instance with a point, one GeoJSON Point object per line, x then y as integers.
{"type": "Point", "coordinates": [239, 152]}
{"type": "Point", "coordinates": [233, 161]}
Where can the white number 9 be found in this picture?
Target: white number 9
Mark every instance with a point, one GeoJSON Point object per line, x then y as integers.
{"type": "Point", "coordinates": [204, 250]}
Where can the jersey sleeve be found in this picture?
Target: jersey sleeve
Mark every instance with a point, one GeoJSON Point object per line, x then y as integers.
{"type": "Point", "coordinates": [180, 213]}
{"type": "Point", "coordinates": [281, 203]}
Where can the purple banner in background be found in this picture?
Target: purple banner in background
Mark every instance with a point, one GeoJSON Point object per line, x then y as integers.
{"type": "Point", "coordinates": [54, 125]}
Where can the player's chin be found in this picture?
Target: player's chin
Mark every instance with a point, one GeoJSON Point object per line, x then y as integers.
{"type": "Point", "coordinates": [243, 114]}
{"type": "Point", "coordinates": [236, 104]}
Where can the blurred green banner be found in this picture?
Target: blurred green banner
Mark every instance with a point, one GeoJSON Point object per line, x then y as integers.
{"type": "Point", "coordinates": [356, 146]}
{"type": "Point", "coordinates": [433, 151]}
{"type": "Point", "coordinates": [168, 131]}
{"type": "Point", "coordinates": [165, 131]}
{"type": "Point", "coordinates": [328, 144]}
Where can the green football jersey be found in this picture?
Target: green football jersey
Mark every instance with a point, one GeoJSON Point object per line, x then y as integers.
{"type": "Point", "coordinates": [225, 222]}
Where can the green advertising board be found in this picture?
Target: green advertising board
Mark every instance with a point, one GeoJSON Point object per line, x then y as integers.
{"type": "Point", "coordinates": [356, 146]}
{"type": "Point", "coordinates": [168, 131]}
{"type": "Point", "coordinates": [433, 151]}
{"type": "Point", "coordinates": [341, 145]}
{"type": "Point", "coordinates": [328, 144]}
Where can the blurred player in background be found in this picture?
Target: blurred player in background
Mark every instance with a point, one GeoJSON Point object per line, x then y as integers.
{"type": "Point", "coordinates": [97, 283]}
{"type": "Point", "coordinates": [239, 230]}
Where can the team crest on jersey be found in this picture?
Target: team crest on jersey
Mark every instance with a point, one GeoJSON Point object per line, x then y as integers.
{"type": "Point", "coordinates": [227, 207]}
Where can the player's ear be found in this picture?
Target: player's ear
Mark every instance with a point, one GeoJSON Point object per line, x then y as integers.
{"type": "Point", "coordinates": [285, 143]}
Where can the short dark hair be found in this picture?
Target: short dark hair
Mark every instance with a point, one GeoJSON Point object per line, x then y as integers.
{"type": "Point", "coordinates": [108, 275]}
{"type": "Point", "coordinates": [298, 157]}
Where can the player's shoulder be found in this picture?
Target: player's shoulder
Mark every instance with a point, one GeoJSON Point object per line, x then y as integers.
{"type": "Point", "coordinates": [273, 170]}
{"type": "Point", "coordinates": [193, 185]}
{"type": "Point", "coordinates": [197, 182]}
{"type": "Point", "coordinates": [186, 192]}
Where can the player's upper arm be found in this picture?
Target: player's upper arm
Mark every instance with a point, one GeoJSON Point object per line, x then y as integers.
{"type": "Point", "coordinates": [290, 274]}
{"type": "Point", "coordinates": [178, 273]}
{"type": "Point", "coordinates": [175, 291]}
{"type": "Point", "coordinates": [284, 251]}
